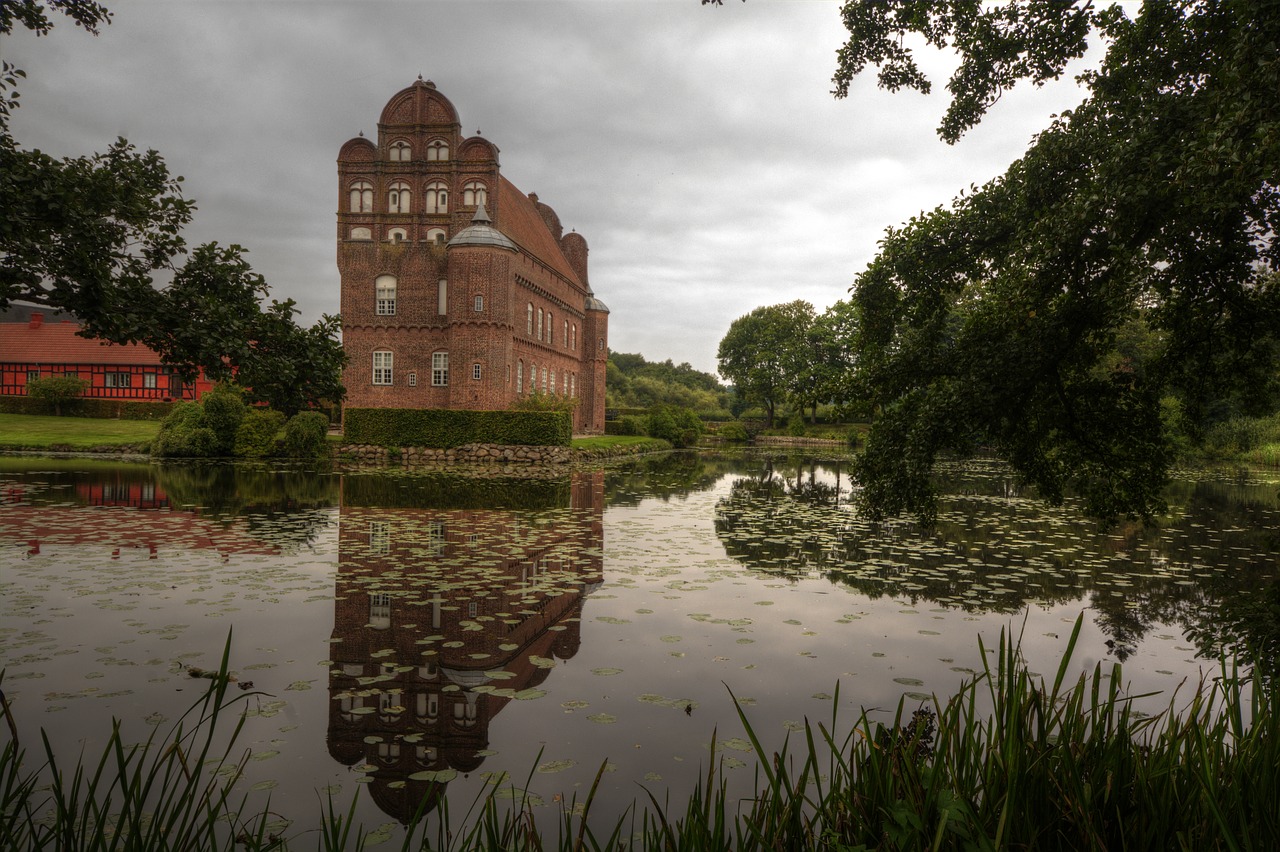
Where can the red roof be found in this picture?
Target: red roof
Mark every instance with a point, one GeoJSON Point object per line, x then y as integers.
{"type": "Point", "coordinates": [520, 221]}
{"type": "Point", "coordinates": [58, 343]}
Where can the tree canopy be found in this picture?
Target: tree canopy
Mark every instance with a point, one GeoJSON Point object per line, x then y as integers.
{"type": "Point", "coordinates": [99, 236]}
{"type": "Point", "coordinates": [766, 354]}
{"type": "Point", "coordinates": [1004, 321]}
{"type": "Point", "coordinates": [634, 382]}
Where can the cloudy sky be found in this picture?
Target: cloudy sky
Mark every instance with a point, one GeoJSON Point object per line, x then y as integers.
{"type": "Point", "coordinates": [698, 149]}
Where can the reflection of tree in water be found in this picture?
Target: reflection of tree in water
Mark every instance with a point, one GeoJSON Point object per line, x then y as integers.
{"type": "Point", "coordinates": [280, 506]}
{"type": "Point", "coordinates": [665, 476]}
{"type": "Point", "coordinates": [445, 613]}
{"type": "Point", "coordinates": [996, 550]}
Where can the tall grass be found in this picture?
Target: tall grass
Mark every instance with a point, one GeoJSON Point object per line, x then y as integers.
{"type": "Point", "coordinates": [1012, 761]}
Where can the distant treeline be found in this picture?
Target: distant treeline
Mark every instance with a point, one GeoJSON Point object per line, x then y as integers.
{"type": "Point", "coordinates": [634, 382]}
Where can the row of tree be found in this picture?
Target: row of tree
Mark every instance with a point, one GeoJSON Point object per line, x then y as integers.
{"type": "Point", "coordinates": [789, 354]}
{"type": "Point", "coordinates": [633, 382]}
{"type": "Point", "coordinates": [100, 236]}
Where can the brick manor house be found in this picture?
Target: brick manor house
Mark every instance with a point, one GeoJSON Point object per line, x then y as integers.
{"type": "Point", "coordinates": [458, 290]}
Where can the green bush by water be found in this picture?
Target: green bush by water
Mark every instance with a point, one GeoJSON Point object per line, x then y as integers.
{"type": "Point", "coordinates": [1055, 765]}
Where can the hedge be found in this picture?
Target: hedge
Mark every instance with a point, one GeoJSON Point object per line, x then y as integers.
{"type": "Point", "coordinates": [444, 428]}
{"type": "Point", "coordinates": [117, 409]}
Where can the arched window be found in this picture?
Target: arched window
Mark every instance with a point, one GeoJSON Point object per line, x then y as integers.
{"type": "Point", "coordinates": [553, 382]}
{"type": "Point", "coordinates": [551, 328]}
{"type": "Point", "coordinates": [544, 379]}
{"type": "Point", "coordinates": [564, 384]}
{"type": "Point", "coordinates": [520, 376]}
{"type": "Point", "coordinates": [385, 294]}
{"type": "Point", "coordinates": [437, 197]}
{"type": "Point", "coordinates": [474, 194]}
{"type": "Point", "coordinates": [361, 234]}
{"type": "Point", "coordinates": [439, 369]}
{"type": "Point", "coordinates": [397, 235]}
{"type": "Point", "coordinates": [529, 329]}
{"type": "Point", "coordinates": [564, 341]}
{"type": "Point", "coordinates": [437, 151]}
{"type": "Point", "coordinates": [533, 378]}
{"type": "Point", "coordinates": [398, 198]}
{"type": "Point", "coordinates": [573, 340]}
{"type": "Point", "coordinates": [573, 384]}
{"type": "Point", "coordinates": [442, 297]}
{"type": "Point", "coordinates": [362, 197]}
{"type": "Point", "coordinates": [400, 151]}
{"type": "Point", "coordinates": [382, 368]}
{"type": "Point", "coordinates": [539, 323]}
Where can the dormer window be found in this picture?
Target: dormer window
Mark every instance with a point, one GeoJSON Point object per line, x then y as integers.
{"type": "Point", "coordinates": [474, 194]}
{"type": "Point", "coordinates": [437, 197]}
{"type": "Point", "coordinates": [437, 151]}
{"type": "Point", "coordinates": [400, 151]}
{"type": "Point", "coordinates": [399, 198]}
{"type": "Point", "coordinates": [362, 197]}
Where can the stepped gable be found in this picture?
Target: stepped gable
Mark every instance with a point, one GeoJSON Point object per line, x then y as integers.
{"type": "Point", "coordinates": [521, 221]}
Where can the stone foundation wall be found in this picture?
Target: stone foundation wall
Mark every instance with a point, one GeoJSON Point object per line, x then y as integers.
{"type": "Point", "coordinates": [465, 454]}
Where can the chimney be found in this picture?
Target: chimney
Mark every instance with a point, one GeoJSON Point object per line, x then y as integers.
{"type": "Point", "coordinates": [37, 320]}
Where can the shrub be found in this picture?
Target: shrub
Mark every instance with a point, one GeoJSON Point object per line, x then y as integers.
{"type": "Point", "coordinates": [224, 408]}
{"type": "Point", "coordinates": [795, 426]}
{"type": "Point", "coordinates": [185, 433]}
{"type": "Point", "coordinates": [305, 436]}
{"type": "Point", "coordinates": [539, 401]}
{"type": "Point", "coordinates": [733, 431]}
{"type": "Point", "coordinates": [444, 428]}
{"type": "Point", "coordinates": [256, 435]}
{"type": "Point", "coordinates": [678, 425]}
{"type": "Point", "coordinates": [56, 390]}
{"type": "Point", "coordinates": [634, 425]}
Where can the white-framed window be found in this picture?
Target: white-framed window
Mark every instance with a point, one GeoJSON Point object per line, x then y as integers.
{"type": "Point", "coordinates": [379, 610]}
{"type": "Point", "coordinates": [478, 303]}
{"type": "Point", "coordinates": [553, 382]}
{"type": "Point", "coordinates": [111, 380]}
{"type": "Point", "coordinates": [437, 151]}
{"type": "Point", "coordinates": [361, 234]}
{"type": "Point", "coordinates": [397, 235]}
{"type": "Point", "coordinates": [385, 295]}
{"type": "Point", "coordinates": [413, 378]}
{"type": "Point", "coordinates": [474, 194]}
{"type": "Point", "coordinates": [380, 538]}
{"type": "Point", "coordinates": [399, 198]}
{"type": "Point", "coordinates": [529, 329]}
{"type": "Point", "coordinates": [533, 378]}
{"type": "Point", "coordinates": [437, 197]}
{"type": "Point", "coordinates": [551, 328]}
{"type": "Point", "coordinates": [382, 368]}
{"type": "Point", "coordinates": [564, 340]}
{"type": "Point", "coordinates": [436, 235]}
{"type": "Point", "coordinates": [475, 372]}
{"type": "Point", "coordinates": [520, 376]}
{"type": "Point", "coordinates": [439, 369]}
{"type": "Point", "coordinates": [544, 379]}
{"type": "Point", "coordinates": [435, 541]}
{"type": "Point", "coordinates": [573, 338]}
{"type": "Point", "coordinates": [442, 297]}
{"type": "Point", "coordinates": [573, 385]}
{"type": "Point", "coordinates": [149, 381]}
{"type": "Point", "coordinates": [539, 323]}
{"type": "Point", "coordinates": [564, 384]}
{"type": "Point", "coordinates": [361, 197]}
{"type": "Point", "coordinates": [600, 344]}
{"type": "Point", "coordinates": [400, 151]}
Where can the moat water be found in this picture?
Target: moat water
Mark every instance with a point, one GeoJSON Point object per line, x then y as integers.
{"type": "Point", "coordinates": [413, 636]}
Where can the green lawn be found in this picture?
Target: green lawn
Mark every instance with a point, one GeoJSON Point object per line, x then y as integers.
{"type": "Point", "coordinates": [32, 432]}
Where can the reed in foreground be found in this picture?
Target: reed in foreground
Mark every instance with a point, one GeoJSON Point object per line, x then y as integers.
{"type": "Point", "coordinates": [1012, 761]}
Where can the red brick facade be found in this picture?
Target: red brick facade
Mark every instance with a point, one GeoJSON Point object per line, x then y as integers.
{"type": "Point", "coordinates": [458, 291]}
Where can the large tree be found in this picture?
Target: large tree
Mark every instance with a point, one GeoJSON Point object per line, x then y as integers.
{"type": "Point", "coordinates": [98, 236]}
{"type": "Point", "coordinates": [995, 322]}
{"type": "Point", "coordinates": [766, 353]}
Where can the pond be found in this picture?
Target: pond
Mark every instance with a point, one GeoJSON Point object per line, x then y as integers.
{"type": "Point", "coordinates": [417, 636]}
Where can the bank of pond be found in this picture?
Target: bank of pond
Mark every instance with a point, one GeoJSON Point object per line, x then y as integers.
{"type": "Point", "coordinates": [681, 651]}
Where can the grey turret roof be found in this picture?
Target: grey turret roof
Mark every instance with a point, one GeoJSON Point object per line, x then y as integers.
{"type": "Point", "coordinates": [594, 304]}
{"type": "Point", "coordinates": [481, 233]}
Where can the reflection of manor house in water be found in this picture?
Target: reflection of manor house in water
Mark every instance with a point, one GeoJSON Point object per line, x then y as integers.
{"type": "Point", "coordinates": [441, 615]}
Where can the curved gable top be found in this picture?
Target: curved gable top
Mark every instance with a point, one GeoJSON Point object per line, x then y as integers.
{"type": "Point", "coordinates": [358, 150]}
{"type": "Point", "coordinates": [420, 103]}
{"type": "Point", "coordinates": [478, 148]}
